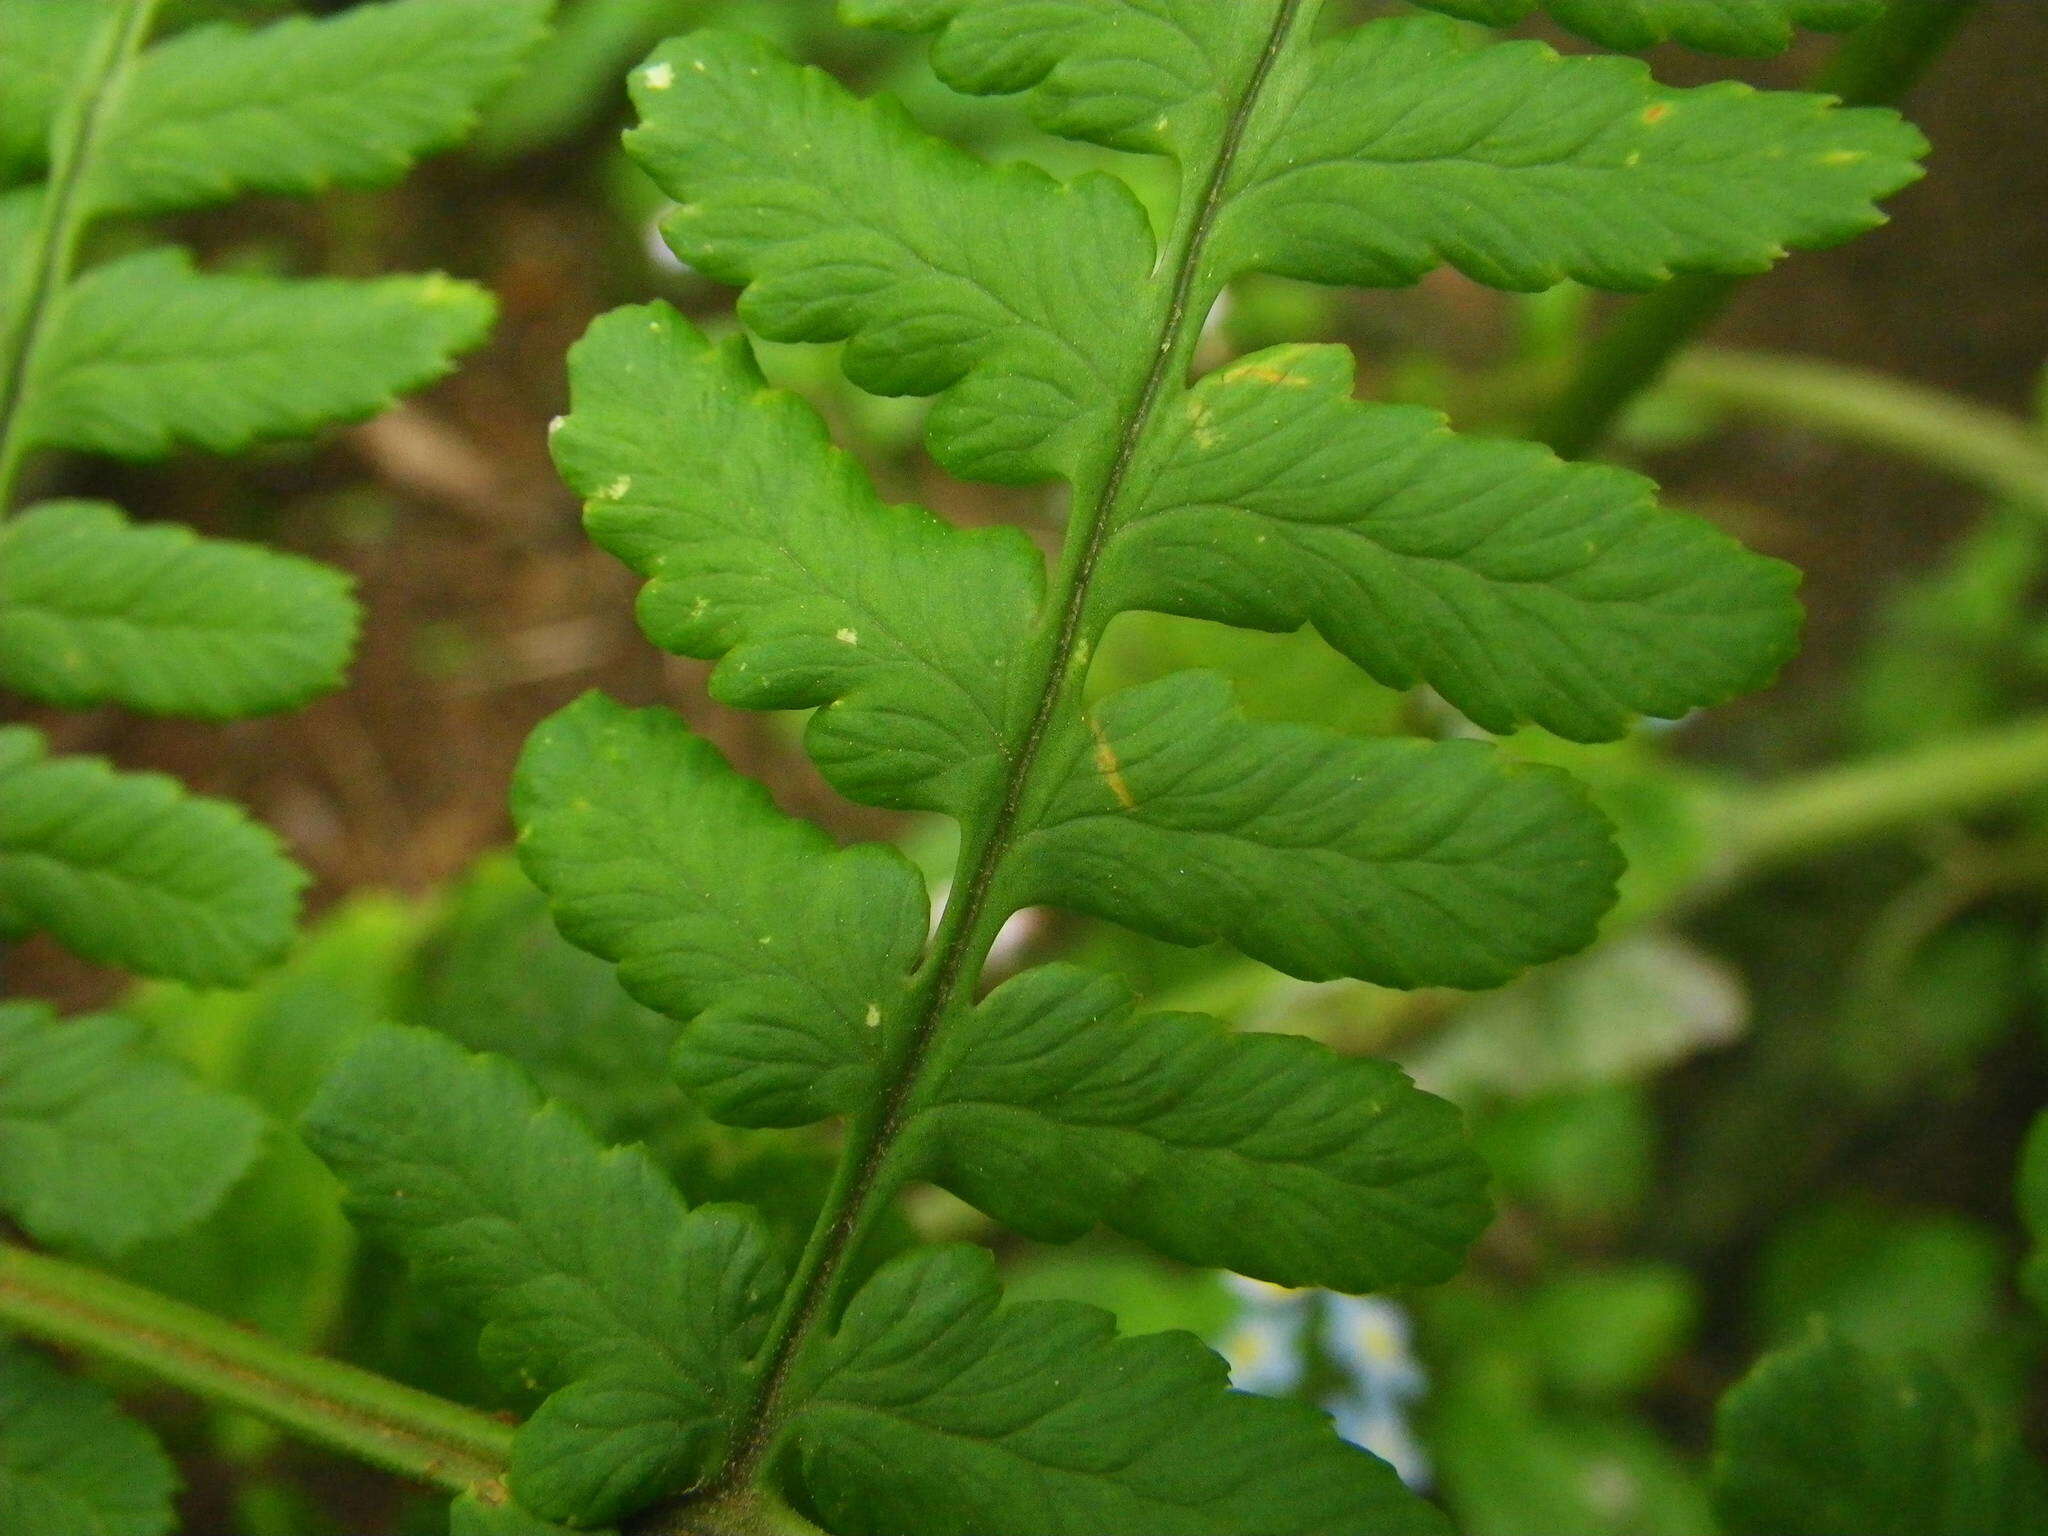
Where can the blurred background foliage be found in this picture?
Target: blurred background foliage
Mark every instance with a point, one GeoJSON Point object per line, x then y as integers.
{"type": "Point", "coordinates": [1790, 1084]}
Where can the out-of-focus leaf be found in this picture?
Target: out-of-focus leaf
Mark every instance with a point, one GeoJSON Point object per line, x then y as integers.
{"type": "Point", "coordinates": [71, 1463]}
{"type": "Point", "coordinates": [1579, 1156]}
{"type": "Point", "coordinates": [104, 1143]}
{"type": "Point", "coordinates": [1830, 1439]}
{"type": "Point", "coordinates": [1901, 1282]}
{"type": "Point", "coordinates": [1632, 1006]}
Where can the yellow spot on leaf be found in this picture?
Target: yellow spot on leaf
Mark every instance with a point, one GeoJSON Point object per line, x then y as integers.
{"type": "Point", "coordinates": [847, 637]}
{"type": "Point", "coordinates": [1111, 770]}
{"type": "Point", "coordinates": [1265, 373]}
{"type": "Point", "coordinates": [659, 77]}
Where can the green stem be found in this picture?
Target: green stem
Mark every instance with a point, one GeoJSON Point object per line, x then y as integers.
{"type": "Point", "coordinates": [1819, 811]}
{"type": "Point", "coordinates": [868, 1173]}
{"type": "Point", "coordinates": [61, 222]}
{"type": "Point", "coordinates": [324, 1401]}
{"type": "Point", "coordinates": [1974, 442]}
{"type": "Point", "coordinates": [1875, 67]}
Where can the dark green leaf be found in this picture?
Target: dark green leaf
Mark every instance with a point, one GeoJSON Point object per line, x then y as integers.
{"type": "Point", "coordinates": [935, 1411]}
{"type": "Point", "coordinates": [71, 1463]}
{"type": "Point", "coordinates": [1404, 143]}
{"type": "Point", "coordinates": [1826, 1439]}
{"type": "Point", "coordinates": [1406, 863]}
{"type": "Point", "coordinates": [1053, 1109]}
{"type": "Point", "coordinates": [585, 1267]}
{"type": "Point", "coordinates": [1520, 587]}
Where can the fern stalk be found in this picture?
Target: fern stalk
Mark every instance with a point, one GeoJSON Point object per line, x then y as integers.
{"type": "Point", "coordinates": [863, 1184]}
{"type": "Point", "coordinates": [62, 220]}
{"type": "Point", "coordinates": [1980, 445]}
{"type": "Point", "coordinates": [324, 1401]}
{"type": "Point", "coordinates": [1839, 807]}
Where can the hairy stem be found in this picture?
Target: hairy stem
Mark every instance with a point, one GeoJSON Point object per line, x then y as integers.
{"type": "Point", "coordinates": [1875, 67]}
{"type": "Point", "coordinates": [1974, 442]}
{"type": "Point", "coordinates": [61, 221]}
{"type": "Point", "coordinates": [324, 1401]}
{"type": "Point", "coordinates": [864, 1183]}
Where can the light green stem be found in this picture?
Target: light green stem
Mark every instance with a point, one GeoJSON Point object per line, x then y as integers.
{"type": "Point", "coordinates": [1976, 443]}
{"type": "Point", "coordinates": [61, 222]}
{"type": "Point", "coordinates": [1777, 825]}
{"type": "Point", "coordinates": [331, 1404]}
{"type": "Point", "coordinates": [1875, 67]}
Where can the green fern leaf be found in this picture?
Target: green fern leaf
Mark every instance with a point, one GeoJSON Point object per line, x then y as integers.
{"type": "Point", "coordinates": [1405, 144]}
{"type": "Point", "coordinates": [102, 1142]}
{"type": "Point", "coordinates": [593, 1281]}
{"type": "Point", "coordinates": [765, 545]}
{"type": "Point", "coordinates": [1521, 588]}
{"type": "Point", "coordinates": [1407, 863]}
{"type": "Point", "coordinates": [1052, 1109]}
{"type": "Point", "coordinates": [1719, 26]}
{"type": "Point", "coordinates": [72, 1462]}
{"type": "Point", "coordinates": [130, 870]}
{"type": "Point", "coordinates": [302, 105]}
{"type": "Point", "coordinates": [1150, 78]}
{"type": "Point", "coordinates": [1395, 146]}
{"type": "Point", "coordinates": [934, 1410]}
{"type": "Point", "coordinates": [660, 857]}
{"type": "Point", "coordinates": [1392, 134]}
{"type": "Point", "coordinates": [42, 43]}
{"type": "Point", "coordinates": [148, 354]}
{"type": "Point", "coordinates": [1057, 332]}
{"type": "Point", "coordinates": [849, 223]}
{"type": "Point", "coordinates": [1827, 1438]}
{"type": "Point", "coordinates": [494, 975]}
{"type": "Point", "coordinates": [97, 610]}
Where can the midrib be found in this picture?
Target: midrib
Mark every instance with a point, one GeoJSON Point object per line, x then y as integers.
{"type": "Point", "coordinates": [53, 248]}
{"type": "Point", "coordinates": [966, 931]}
